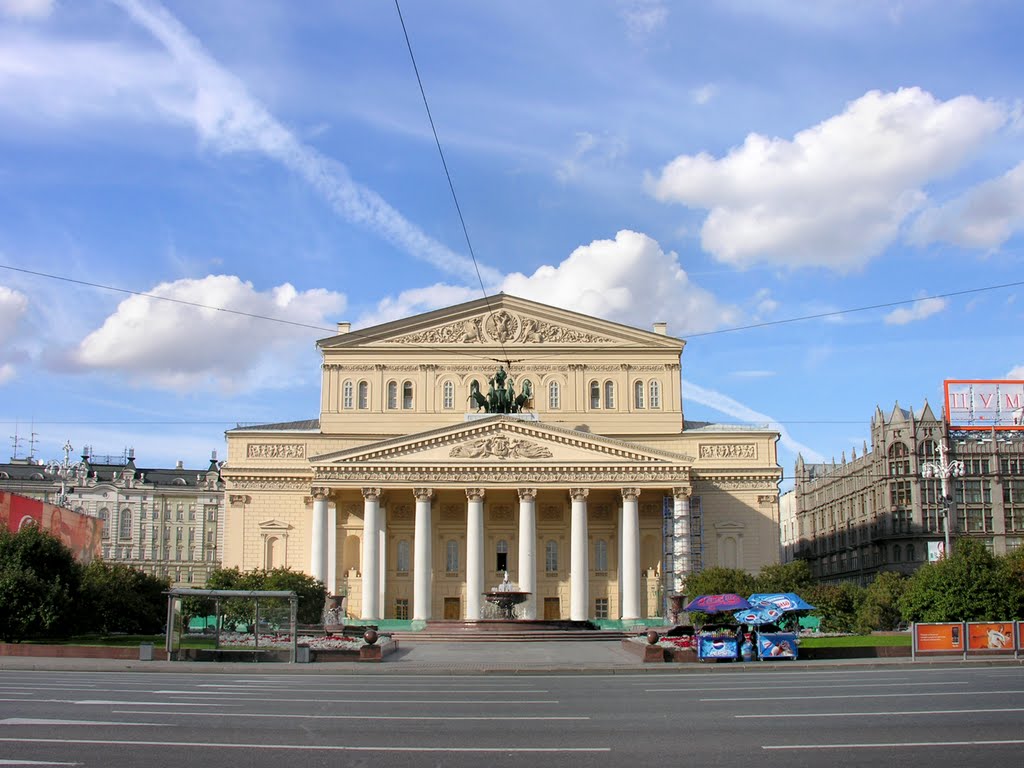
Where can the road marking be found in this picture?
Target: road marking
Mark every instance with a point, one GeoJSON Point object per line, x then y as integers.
{"type": "Point", "coordinates": [502, 718]}
{"type": "Point", "coordinates": [33, 762]}
{"type": "Point", "coordinates": [882, 714]}
{"type": "Point", "coordinates": [891, 744]}
{"type": "Point", "coordinates": [40, 721]}
{"type": "Point", "coordinates": [104, 702]}
{"type": "Point", "coordinates": [360, 689]}
{"type": "Point", "coordinates": [302, 747]}
{"type": "Point", "coordinates": [860, 696]}
{"type": "Point", "coordinates": [802, 687]}
{"type": "Point", "coordinates": [347, 699]}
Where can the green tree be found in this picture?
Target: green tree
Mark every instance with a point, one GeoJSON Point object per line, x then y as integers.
{"type": "Point", "coordinates": [118, 598]}
{"type": "Point", "coordinates": [836, 605]}
{"type": "Point", "coordinates": [880, 608]}
{"type": "Point", "coordinates": [39, 581]}
{"type": "Point", "coordinates": [717, 581]}
{"type": "Point", "coordinates": [1012, 565]}
{"type": "Point", "coordinates": [969, 585]}
{"type": "Point", "coordinates": [311, 592]}
{"type": "Point", "coordinates": [311, 595]}
{"type": "Point", "coordinates": [784, 577]}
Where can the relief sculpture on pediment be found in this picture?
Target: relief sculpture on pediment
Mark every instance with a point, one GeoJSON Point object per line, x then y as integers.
{"type": "Point", "coordinates": [500, 447]}
{"type": "Point", "coordinates": [501, 326]}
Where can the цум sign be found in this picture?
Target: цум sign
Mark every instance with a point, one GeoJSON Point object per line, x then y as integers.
{"type": "Point", "coordinates": [984, 404]}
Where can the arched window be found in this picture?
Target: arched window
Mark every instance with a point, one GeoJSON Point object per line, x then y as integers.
{"type": "Point", "coordinates": [899, 459]}
{"type": "Point", "coordinates": [910, 553]}
{"type": "Point", "coordinates": [609, 394]}
{"type": "Point", "coordinates": [600, 555]}
{"type": "Point", "coordinates": [928, 450]}
{"type": "Point", "coordinates": [364, 395]}
{"type": "Point", "coordinates": [448, 395]}
{"type": "Point", "coordinates": [392, 395]}
{"type": "Point", "coordinates": [554, 396]}
{"type": "Point", "coordinates": [104, 515]}
{"type": "Point", "coordinates": [346, 395]}
{"type": "Point", "coordinates": [501, 550]}
{"type": "Point", "coordinates": [655, 400]}
{"type": "Point", "coordinates": [403, 556]}
{"type": "Point", "coordinates": [451, 557]}
{"type": "Point", "coordinates": [897, 553]}
{"type": "Point", "coordinates": [638, 395]}
{"type": "Point", "coordinates": [407, 395]}
{"type": "Point", "coordinates": [595, 395]}
{"type": "Point", "coordinates": [551, 556]}
{"type": "Point", "coordinates": [125, 523]}
{"type": "Point", "coordinates": [270, 554]}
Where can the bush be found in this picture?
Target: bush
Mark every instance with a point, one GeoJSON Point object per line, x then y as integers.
{"type": "Point", "coordinates": [837, 605]}
{"type": "Point", "coordinates": [785, 577]}
{"type": "Point", "coordinates": [311, 593]}
{"type": "Point", "coordinates": [118, 598]}
{"type": "Point", "coordinates": [39, 581]}
{"type": "Point", "coordinates": [880, 607]}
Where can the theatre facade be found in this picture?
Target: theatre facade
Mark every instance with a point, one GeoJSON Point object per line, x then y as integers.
{"type": "Point", "coordinates": [501, 437]}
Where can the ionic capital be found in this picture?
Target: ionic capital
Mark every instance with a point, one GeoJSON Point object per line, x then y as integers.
{"type": "Point", "coordinates": [579, 494]}
{"type": "Point", "coordinates": [527, 494]}
{"type": "Point", "coordinates": [371, 494]}
{"type": "Point", "coordinates": [475, 494]}
{"type": "Point", "coordinates": [630, 494]}
{"type": "Point", "coordinates": [423, 494]}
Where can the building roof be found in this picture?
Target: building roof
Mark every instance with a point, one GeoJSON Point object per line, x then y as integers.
{"type": "Point", "coordinates": [306, 425]}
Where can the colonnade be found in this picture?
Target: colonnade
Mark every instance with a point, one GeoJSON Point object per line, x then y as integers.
{"type": "Point", "coordinates": [373, 573]}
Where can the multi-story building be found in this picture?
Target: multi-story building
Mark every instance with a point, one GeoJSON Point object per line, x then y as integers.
{"type": "Point", "coordinates": [502, 436]}
{"type": "Point", "coordinates": [878, 512]}
{"type": "Point", "coordinates": [167, 522]}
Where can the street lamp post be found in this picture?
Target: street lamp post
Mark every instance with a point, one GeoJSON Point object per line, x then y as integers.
{"type": "Point", "coordinates": [66, 470]}
{"type": "Point", "coordinates": [944, 470]}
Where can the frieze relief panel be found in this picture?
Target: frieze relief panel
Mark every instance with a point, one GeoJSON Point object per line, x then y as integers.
{"type": "Point", "coordinates": [601, 512]}
{"type": "Point", "coordinates": [550, 514]}
{"type": "Point", "coordinates": [452, 513]}
{"type": "Point", "coordinates": [728, 451]}
{"type": "Point", "coordinates": [500, 447]}
{"type": "Point", "coordinates": [276, 451]}
{"type": "Point", "coordinates": [742, 485]}
{"type": "Point", "coordinates": [501, 327]}
{"type": "Point", "coordinates": [270, 485]}
{"type": "Point", "coordinates": [401, 512]}
{"type": "Point", "coordinates": [666, 475]}
{"type": "Point", "coordinates": [501, 513]}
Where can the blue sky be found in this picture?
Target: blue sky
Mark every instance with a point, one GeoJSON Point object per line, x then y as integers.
{"type": "Point", "coordinates": [714, 164]}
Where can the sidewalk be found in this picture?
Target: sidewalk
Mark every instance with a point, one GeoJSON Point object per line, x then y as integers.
{"type": "Point", "coordinates": [594, 658]}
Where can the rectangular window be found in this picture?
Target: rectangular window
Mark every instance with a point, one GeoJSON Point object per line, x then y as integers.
{"type": "Point", "coordinates": [191, 511]}
{"type": "Point", "coordinates": [402, 609]}
{"type": "Point", "coordinates": [601, 608]}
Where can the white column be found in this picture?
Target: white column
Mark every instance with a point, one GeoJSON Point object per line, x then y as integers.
{"type": "Point", "coordinates": [680, 538]}
{"type": "Point", "coordinates": [369, 567]}
{"type": "Point", "coordinates": [332, 548]}
{"type": "Point", "coordinates": [421, 586]}
{"type": "Point", "coordinates": [382, 525]}
{"type": "Point", "coordinates": [318, 540]}
{"type": "Point", "coordinates": [474, 552]}
{"type": "Point", "coordinates": [527, 575]}
{"type": "Point", "coordinates": [630, 534]}
{"type": "Point", "coordinates": [579, 569]}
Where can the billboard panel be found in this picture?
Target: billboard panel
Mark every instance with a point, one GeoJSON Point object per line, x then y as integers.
{"type": "Point", "coordinates": [938, 637]}
{"type": "Point", "coordinates": [988, 636]}
{"type": "Point", "coordinates": [984, 403]}
{"type": "Point", "coordinates": [82, 534]}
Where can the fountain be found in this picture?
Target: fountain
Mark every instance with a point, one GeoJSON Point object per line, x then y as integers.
{"type": "Point", "coordinates": [505, 597]}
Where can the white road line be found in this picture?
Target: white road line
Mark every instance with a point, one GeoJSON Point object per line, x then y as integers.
{"type": "Point", "coordinates": [105, 702]}
{"type": "Point", "coordinates": [501, 718]}
{"type": "Point", "coordinates": [33, 762]}
{"type": "Point", "coordinates": [891, 744]}
{"type": "Point", "coordinates": [303, 747]}
{"type": "Point", "coordinates": [860, 696]}
{"type": "Point", "coordinates": [40, 721]}
{"type": "Point", "coordinates": [348, 699]}
{"type": "Point", "coordinates": [883, 714]}
{"type": "Point", "coordinates": [782, 687]}
{"type": "Point", "coordinates": [360, 689]}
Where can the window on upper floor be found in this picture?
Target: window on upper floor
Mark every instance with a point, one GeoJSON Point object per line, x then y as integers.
{"type": "Point", "coordinates": [346, 394]}
{"type": "Point", "coordinates": [402, 564]}
{"type": "Point", "coordinates": [448, 395]}
{"type": "Point", "coordinates": [407, 395]}
{"type": "Point", "coordinates": [600, 555]}
{"type": "Point", "coordinates": [638, 394]}
{"type": "Point", "coordinates": [655, 389]}
{"type": "Point", "coordinates": [392, 395]}
{"type": "Point", "coordinates": [451, 557]}
{"type": "Point", "coordinates": [554, 396]}
{"type": "Point", "coordinates": [551, 556]}
{"type": "Point", "coordinates": [125, 521]}
{"type": "Point", "coordinates": [595, 395]}
{"type": "Point", "coordinates": [609, 394]}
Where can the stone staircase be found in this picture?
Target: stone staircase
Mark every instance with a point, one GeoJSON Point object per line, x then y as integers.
{"type": "Point", "coordinates": [501, 631]}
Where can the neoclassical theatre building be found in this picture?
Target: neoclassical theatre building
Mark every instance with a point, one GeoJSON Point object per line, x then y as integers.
{"type": "Point", "coordinates": [501, 436]}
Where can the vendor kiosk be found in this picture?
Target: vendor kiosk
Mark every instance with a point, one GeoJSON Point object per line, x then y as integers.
{"type": "Point", "coordinates": [718, 643]}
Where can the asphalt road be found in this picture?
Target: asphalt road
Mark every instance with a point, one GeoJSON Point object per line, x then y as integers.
{"type": "Point", "coordinates": [964, 716]}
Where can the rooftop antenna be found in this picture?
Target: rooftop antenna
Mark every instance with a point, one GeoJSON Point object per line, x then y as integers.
{"type": "Point", "coordinates": [16, 441]}
{"type": "Point", "coordinates": [32, 441]}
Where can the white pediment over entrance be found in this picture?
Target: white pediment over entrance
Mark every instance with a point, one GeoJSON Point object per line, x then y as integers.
{"type": "Point", "coordinates": [497, 441]}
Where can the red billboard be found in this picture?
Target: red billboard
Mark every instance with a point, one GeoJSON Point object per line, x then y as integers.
{"type": "Point", "coordinates": [79, 533]}
{"type": "Point", "coordinates": [984, 403]}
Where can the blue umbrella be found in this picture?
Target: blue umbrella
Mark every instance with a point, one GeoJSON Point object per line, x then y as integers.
{"type": "Point", "coordinates": [782, 601]}
{"type": "Point", "coordinates": [758, 616]}
{"type": "Point", "coordinates": [717, 604]}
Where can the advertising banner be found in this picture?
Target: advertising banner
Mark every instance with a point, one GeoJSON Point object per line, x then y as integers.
{"type": "Point", "coordinates": [80, 533]}
{"type": "Point", "coordinates": [939, 638]}
{"type": "Point", "coordinates": [992, 637]}
{"type": "Point", "coordinates": [936, 550]}
{"type": "Point", "coordinates": [1020, 635]}
{"type": "Point", "coordinates": [984, 403]}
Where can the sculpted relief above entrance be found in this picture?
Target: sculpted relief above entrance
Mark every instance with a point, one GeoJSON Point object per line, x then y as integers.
{"type": "Point", "coordinates": [501, 327]}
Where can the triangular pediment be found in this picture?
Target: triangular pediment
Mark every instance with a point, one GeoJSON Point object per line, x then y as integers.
{"type": "Point", "coordinates": [504, 322]}
{"type": "Point", "coordinates": [501, 440]}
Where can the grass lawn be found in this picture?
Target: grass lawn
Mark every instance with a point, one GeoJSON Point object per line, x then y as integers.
{"type": "Point", "coordinates": [855, 641]}
{"type": "Point", "coordinates": [126, 641]}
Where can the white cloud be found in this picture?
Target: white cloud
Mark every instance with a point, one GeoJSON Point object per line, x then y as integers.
{"type": "Point", "coordinates": [764, 302]}
{"type": "Point", "coordinates": [643, 17]}
{"type": "Point", "coordinates": [13, 307]}
{"type": "Point", "coordinates": [754, 374]}
{"type": "Point", "coordinates": [704, 94]}
{"type": "Point", "coordinates": [835, 195]}
{"type": "Point", "coordinates": [983, 217]}
{"type": "Point", "coordinates": [725, 404]}
{"type": "Point", "coordinates": [1016, 373]}
{"type": "Point", "coordinates": [60, 81]}
{"type": "Point", "coordinates": [26, 9]}
{"type": "Point", "coordinates": [416, 301]}
{"type": "Point", "coordinates": [629, 279]}
{"type": "Point", "coordinates": [177, 347]}
{"type": "Point", "coordinates": [7, 373]}
{"type": "Point", "coordinates": [590, 151]}
{"type": "Point", "coordinates": [919, 310]}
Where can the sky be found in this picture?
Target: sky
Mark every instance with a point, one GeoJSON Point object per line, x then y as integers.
{"type": "Point", "coordinates": [825, 199]}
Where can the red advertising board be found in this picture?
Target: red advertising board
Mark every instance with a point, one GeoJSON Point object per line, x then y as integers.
{"type": "Point", "coordinates": [984, 404]}
{"type": "Point", "coordinates": [992, 637]}
{"type": "Point", "coordinates": [80, 533]}
{"type": "Point", "coordinates": [939, 638]}
{"type": "Point", "coordinates": [1020, 635]}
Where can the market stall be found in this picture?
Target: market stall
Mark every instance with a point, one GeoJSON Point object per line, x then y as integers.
{"type": "Point", "coordinates": [718, 641]}
{"type": "Point", "coordinates": [767, 611]}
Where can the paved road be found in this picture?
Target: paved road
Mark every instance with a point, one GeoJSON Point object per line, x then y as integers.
{"type": "Point", "coordinates": [968, 715]}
